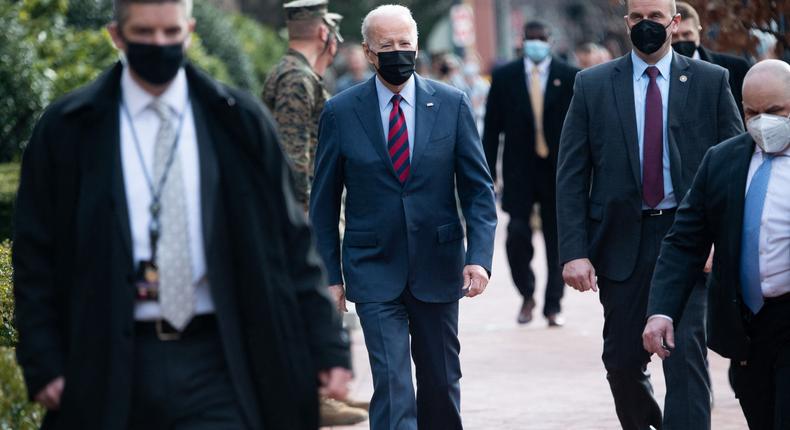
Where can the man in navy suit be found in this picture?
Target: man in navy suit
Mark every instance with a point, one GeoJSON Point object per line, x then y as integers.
{"type": "Point", "coordinates": [402, 146]}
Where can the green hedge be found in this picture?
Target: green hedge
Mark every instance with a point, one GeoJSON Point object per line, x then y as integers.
{"type": "Point", "coordinates": [50, 47]}
{"type": "Point", "coordinates": [16, 412]}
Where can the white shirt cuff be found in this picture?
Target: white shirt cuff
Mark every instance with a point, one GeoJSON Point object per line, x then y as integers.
{"type": "Point", "coordinates": [659, 316]}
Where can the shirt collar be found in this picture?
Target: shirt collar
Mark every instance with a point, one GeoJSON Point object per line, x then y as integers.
{"type": "Point", "coordinates": [664, 65]}
{"type": "Point", "coordinates": [138, 100]}
{"type": "Point", "coordinates": [408, 92]}
{"type": "Point", "coordinates": [543, 66]}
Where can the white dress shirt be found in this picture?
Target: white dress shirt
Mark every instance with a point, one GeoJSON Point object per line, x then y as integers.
{"type": "Point", "coordinates": [138, 195]}
{"type": "Point", "coordinates": [774, 225]}
{"type": "Point", "coordinates": [641, 81]}
{"type": "Point", "coordinates": [407, 105]}
{"type": "Point", "coordinates": [543, 70]}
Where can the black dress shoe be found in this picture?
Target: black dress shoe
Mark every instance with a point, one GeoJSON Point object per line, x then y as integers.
{"type": "Point", "coordinates": [525, 315]}
{"type": "Point", "coordinates": [555, 320]}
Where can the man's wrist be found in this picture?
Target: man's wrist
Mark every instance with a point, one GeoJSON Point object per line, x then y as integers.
{"type": "Point", "coordinates": [666, 317]}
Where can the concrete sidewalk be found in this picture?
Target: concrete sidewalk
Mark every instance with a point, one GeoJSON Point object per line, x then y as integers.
{"type": "Point", "coordinates": [532, 377]}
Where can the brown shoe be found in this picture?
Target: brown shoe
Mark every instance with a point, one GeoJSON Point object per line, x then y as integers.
{"type": "Point", "coordinates": [359, 404]}
{"type": "Point", "coordinates": [336, 413]}
{"type": "Point", "coordinates": [555, 320]}
{"type": "Point", "coordinates": [525, 315]}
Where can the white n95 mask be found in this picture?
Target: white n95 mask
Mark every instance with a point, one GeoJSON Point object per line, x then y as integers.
{"type": "Point", "coordinates": [770, 132]}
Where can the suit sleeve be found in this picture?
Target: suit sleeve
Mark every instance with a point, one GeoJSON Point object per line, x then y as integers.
{"type": "Point", "coordinates": [475, 190]}
{"type": "Point", "coordinates": [326, 196]}
{"type": "Point", "coordinates": [730, 122]}
{"type": "Point", "coordinates": [328, 342]}
{"type": "Point", "coordinates": [574, 167]}
{"type": "Point", "coordinates": [492, 126]}
{"type": "Point", "coordinates": [39, 304]}
{"type": "Point", "coordinates": [683, 251]}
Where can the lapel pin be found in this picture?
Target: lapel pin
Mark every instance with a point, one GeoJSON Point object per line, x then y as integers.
{"type": "Point", "coordinates": [557, 82]}
{"type": "Point", "coordinates": [429, 104]}
{"type": "Point", "coordinates": [683, 78]}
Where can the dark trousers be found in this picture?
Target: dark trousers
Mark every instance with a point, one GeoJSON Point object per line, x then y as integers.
{"type": "Point", "coordinates": [762, 384]}
{"type": "Point", "coordinates": [397, 332]}
{"type": "Point", "coordinates": [520, 250]}
{"type": "Point", "coordinates": [182, 384]}
{"type": "Point", "coordinates": [687, 402]}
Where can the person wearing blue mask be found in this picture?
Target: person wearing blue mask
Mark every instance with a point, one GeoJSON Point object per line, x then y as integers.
{"type": "Point", "coordinates": [527, 103]}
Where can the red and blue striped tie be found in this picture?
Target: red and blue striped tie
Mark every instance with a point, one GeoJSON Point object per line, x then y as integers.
{"type": "Point", "coordinates": [398, 140]}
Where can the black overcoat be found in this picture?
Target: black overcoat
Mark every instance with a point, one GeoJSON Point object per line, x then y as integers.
{"type": "Point", "coordinates": [73, 263]}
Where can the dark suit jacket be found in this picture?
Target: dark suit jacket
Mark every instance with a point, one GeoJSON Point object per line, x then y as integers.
{"type": "Point", "coordinates": [599, 197]}
{"type": "Point", "coordinates": [73, 264]}
{"type": "Point", "coordinates": [737, 66]}
{"type": "Point", "coordinates": [509, 111]}
{"type": "Point", "coordinates": [402, 234]}
{"type": "Point", "coordinates": [712, 212]}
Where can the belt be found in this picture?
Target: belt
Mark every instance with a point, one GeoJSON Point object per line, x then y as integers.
{"type": "Point", "coordinates": [780, 299]}
{"type": "Point", "coordinates": [166, 332]}
{"type": "Point", "coordinates": [647, 213]}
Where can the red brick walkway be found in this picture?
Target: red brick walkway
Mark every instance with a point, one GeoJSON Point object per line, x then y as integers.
{"type": "Point", "coordinates": [531, 377]}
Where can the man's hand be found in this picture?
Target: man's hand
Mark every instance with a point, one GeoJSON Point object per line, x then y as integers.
{"type": "Point", "coordinates": [334, 382]}
{"type": "Point", "coordinates": [659, 336]}
{"type": "Point", "coordinates": [49, 396]}
{"type": "Point", "coordinates": [709, 263]}
{"type": "Point", "coordinates": [580, 274]}
{"type": "Point", "coordinates": [338, 293]}
{"type": "Point", "coordinates": [475, 280]}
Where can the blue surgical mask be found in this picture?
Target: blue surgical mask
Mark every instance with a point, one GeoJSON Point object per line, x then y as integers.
{"type": "Point", "coordinates": [536, 50]}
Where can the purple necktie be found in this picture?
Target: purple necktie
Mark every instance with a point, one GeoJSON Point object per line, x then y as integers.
{"type": "Point", "coordinates": [653, 145]}
{"type": "Point", "coordinates": [398, 140]}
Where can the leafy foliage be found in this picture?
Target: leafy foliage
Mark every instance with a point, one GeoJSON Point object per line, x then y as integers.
{"type": "Point", "coordinates": [261, 45]}
{"type": "Point", "coordinates": [16, 412]}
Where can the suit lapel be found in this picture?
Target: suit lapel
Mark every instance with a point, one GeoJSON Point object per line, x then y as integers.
{"type": "Point", "coordinates": [209, 171]}
{"type": "Point", "coordinates": [623, 84]}
{"type": "Point", "coordinates": [553, 85]}
{"type": "Point", "coordinates": [521, 87]}
{"type": "Point", "coordinates": [111, 134]}
{"type": "Point", "coordinates": [425, 113]}
{"type": "Point", "coordinates": [369, 114]}
{"type": "Point", "coordinates": [680, 80]}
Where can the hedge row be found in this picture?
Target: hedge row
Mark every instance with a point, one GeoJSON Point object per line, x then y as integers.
{"type": "Point", "coordinates": [50, 47]}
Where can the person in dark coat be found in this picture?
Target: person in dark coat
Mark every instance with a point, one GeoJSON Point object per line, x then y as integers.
{"type": "Point", "coordinates": [687, 42]}
{"type": "Point", "coordinates": [528, 100]}
{"type": "Point", "coordinates": [739, 201]}
{"type": "Point", "coordinates": [635, 134]}
{"type": "Point", "coordinates": [164, 274]}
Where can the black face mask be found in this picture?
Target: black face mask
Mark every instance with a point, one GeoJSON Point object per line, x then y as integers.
{"type": "Point", "coordinates": [396, 67]}
{"type": "Point", "coordinates": [156, 64]}
{"type": "Point", "coordinates": [686, 48]}
{"type": "Point", "coordinates": [649, 36]}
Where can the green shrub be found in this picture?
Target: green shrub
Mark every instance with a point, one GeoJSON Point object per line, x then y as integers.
{"type": "Point", "coordinates": [262, 45]}
{"type": "Point", "coordinates": [23, 88]}
{"type": "Point", "coordinates": [220, 39]}
{"type": "Point", "coordinates": [9, 181]}
{"type": "Point", "coordinates": [16, 412]}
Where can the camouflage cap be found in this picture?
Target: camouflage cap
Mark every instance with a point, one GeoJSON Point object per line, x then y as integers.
{"type": "Point", "coordinates": [333, 21]}
{"type": "Point", "coordinates": [299, 10]}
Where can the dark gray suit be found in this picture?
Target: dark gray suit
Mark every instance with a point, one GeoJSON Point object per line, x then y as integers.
{"type": "Point", "coordinates": [599, 213]}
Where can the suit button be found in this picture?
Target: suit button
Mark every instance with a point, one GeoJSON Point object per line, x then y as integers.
{"type": "Point", "coordinates": [404, 195]}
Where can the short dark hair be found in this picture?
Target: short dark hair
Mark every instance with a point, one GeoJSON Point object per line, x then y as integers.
{"type": "Point", "coordinates": [537, 25]}
{"type": "Point", "coordinates": [120, 7]}
{"type": "Point", "coordinates": [686, 11]}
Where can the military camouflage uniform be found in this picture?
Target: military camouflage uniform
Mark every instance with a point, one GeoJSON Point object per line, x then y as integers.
{"type": "Point", "coordinates": [296, 96]}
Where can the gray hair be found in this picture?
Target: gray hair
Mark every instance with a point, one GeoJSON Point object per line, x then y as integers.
{"type": "Point", "coordinates": [389, 10]}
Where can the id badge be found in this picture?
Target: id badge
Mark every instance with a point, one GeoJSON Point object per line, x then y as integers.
{"type": "Point", "coordinates": [147, 284]}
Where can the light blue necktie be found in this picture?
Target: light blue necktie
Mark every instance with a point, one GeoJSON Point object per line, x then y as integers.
{"type": "Point", "coordinates": [750, 236]}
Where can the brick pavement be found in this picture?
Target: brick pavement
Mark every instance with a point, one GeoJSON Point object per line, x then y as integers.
{"type": "Point", "coordinates": [532, 377]}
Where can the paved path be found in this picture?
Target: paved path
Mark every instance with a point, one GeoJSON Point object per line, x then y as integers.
{"type": "Point", "coordinates": [532, 377]}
